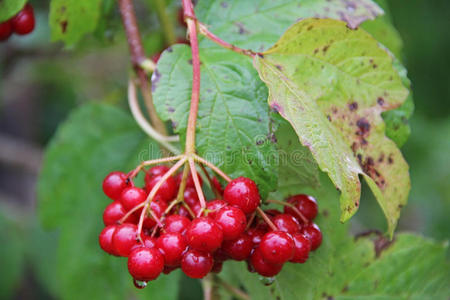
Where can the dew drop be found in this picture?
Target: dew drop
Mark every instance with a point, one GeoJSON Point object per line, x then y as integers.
{"type": "Point", "coordinates": [139, 284]}
{"type": "Point", "coordinates": [267, 280]}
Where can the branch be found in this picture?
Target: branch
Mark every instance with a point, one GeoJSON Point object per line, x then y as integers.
{"type": "Point", "coordinates": [137, 58]}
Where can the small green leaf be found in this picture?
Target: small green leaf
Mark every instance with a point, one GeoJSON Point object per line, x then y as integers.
{"type": "Point", "coordinates": [233, 126]}
{"type": "Point", "coordinates": [70, 20]}
{"type": "Point", "coordinates": [257, 24]}
{"type": "Point", "coordinates": [9, 8]}
{"type": "Point", "coordinates": [95, 140]}
{"type": "Point", "coordinates": [332, 83]}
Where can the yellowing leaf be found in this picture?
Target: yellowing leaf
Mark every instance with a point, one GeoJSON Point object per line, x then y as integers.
{"type": "Point", "coordinates": [332, 83]}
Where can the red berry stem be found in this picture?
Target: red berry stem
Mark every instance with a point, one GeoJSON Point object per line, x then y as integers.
{"type": "Point", "coordinates": [153, 162]}
{"type": "Point", "coordinates": [191, 213]}
{"type": "Point", "coordinates": [239, 294]}
{"type": "Point", "coordinates": [250, 220]}
{"type": "Point", "coordinates": [266, 219]}
{"type": "Point", "coordinates": [212, 167]}
{"type": "Point", "coordinates": [198, 187]}
{"type": "Point", "coordinates": [155, 189]}
{"type": "Point", "coordinates": [304, 219]}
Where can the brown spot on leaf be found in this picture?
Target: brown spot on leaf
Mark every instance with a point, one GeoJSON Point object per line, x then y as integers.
{"type": "Point", "coordinates": [363, 127]}
{"type": "Point", "coordinates": [241, 28]}
{"type": "Point", "coordinates": [279, 67]}
{"type": "Point", "coordinates": [380, 101]}
{"type": "Point", "coordinates": [155, 79]}
{"type": "Point", "coordinates": [381, 244]}
{"type": "Point", "coordinates": [316, 50]}
{"type": "Point", "coordinates": [310, 27]}
{"type": "Point", "coordinates": [63, 26]}
{"type": "Point", "coordinates": [276, 107]}
{"type": "Point", "coordinates": [353, 106]}
{"type": "Point", "coordinates": [325, 49]}
{"type": "Point", "coordinates": [390, 159]}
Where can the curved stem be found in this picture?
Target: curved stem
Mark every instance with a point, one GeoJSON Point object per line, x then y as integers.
{"type": "Point", "coordinates": [212, 167]}
{"type": "Point", "coordinates": [204, 30]}
{"type": "Point", "coordinates": [137, 57]}
{"type": "Point", "coordinates": [142, 122]}
{"type": "Point", "coordinates": [295, 209]}
{"type": "Point", "coordinates": [189, 14]}
{"type": "Point", "coordinates": [239, 294]}
{"type": "Point", "coordinates": [211, 183]}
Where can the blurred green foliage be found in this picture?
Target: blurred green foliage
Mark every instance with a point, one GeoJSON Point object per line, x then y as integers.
{"type": "Point", "coordinates": [42, 82]}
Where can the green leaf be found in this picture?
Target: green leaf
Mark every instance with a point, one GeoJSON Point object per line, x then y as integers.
{"type": "Point", "coordinates": [95, 140]}
{"type": "Point", "coordinates": [257, 24]}
{"type": "Point", "coordinates": [233, 126]}
{"type": "Point", "coordinates": [9, 8]}
{"type": "Point", "coordinates": [297, 167]}
{"type": "Point", "coordinates": [409, 267]}
{"type": "Point", "coordinates": [70, 20]}
{"type": "Point", "coordinates": [12, 256]}
{"type": "Point", "coordinates": [331, 83]}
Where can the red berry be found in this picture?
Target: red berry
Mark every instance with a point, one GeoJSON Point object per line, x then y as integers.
{"type": "Point", "coordinates": [286, 223]}
{"type": "Point", "coordinates": [214, 206]}
{"type": "Point", "coordinates": [158, 208]}
{"type": "Point", "coordinates": [125, 238]}
{"type": "Point", "coordinates": [168, 270]}
{"type": "Point", "coordinates": [182, 211]}
{"type": "Point", "coordinates": [204, 235]}
{"type": "Point", "coordinates": [105, 239]}
{"type": "Point", "coordinates": [191, 197]}
{"type": "Point", "coordinates": [217, 267]}
{"type": "Point", "coordinates": [132, 196]}
{"type": "Point", "coordinates": [156, 171]}
{"type": "Point", "coordinates": [149, 241]}
{"type": "Point", "coordinates": [272, 212]}
{"type": "Point", "coordinates": [217, 185]}
{"type": "Point", "coordinates": [240, 248]}
{"type": "Point", "coordinates": [196, 264]}
{"type": "Point", "coordinates": [176, 224]}
{"type": "Point", "coordinates": [313, 234]}
{"type": "Point", "coordinates": [172, 246]}
{"type": "Point", "coordinates": [302, 248]}
{"type": "Point", "coordinates": [263, 267]}
{"type": "Point", "coordinates": [23, 22]}
{"type": "Point", "coordinates": [167, 191]}
{"type": "Point", "coordinates": [232, 221]}
{"type": "Point", "coordinates": [256, 235]}
{"type": "Point", "coordinates": [243, 193]}
{"type": "Point", "coordinates": [307, 205]}
{"type": "Point", "coordinates": [6, 30]}
{"type": "Point", "coordinates": [145, 263]}
{"type": "Point", "coordinates": [189, 180]}
{"type": "Point", "coordinates": [114, 212]}
{"type": "Point", "coordinates": [277, 247]}
{"type": "Point", "coordinates": [114, 183]}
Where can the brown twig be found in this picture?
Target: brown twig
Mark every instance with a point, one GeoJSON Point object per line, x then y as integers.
{"type": "Point", "coordinates": [137, 57]}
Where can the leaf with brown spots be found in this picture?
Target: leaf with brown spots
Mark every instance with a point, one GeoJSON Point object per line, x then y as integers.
{"type": "Point", "coordinates": [316, 92]}
{"type": "Point", "coordinates": [70, 20]}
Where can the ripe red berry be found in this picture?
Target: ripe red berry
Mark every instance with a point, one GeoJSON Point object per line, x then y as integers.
{"type": "Point", "coordinates": [105, 239]}
{"type": "Point", "coordinates": [131, 197]}
{"type": "Point", "coordinates": [238, 249]}
{"type": "Point", "coordinates": [256, 235]}
{"type": "Point", "coordinates": [176, 224]}
{"type": "Point", "coordinates": [243, 193]}
{"type": "Point", "coordinates": [277, 247]}
{"type": "Point", "coordinates": [158, 208]}
{"type": "Point", "coordinates": [156, 171]}
{"type": "Point", "coordinates": [313, 234]}
{"type": "Point", "coordinates": [6, 30]}
{"type": "Point", "coordinates": [263, 267]}
{"type": "Point", "coordinates": [302, 248]}
{"type": "Point", "coordinates": [204, 235]}
{"type": "Point", "coordinates": [196, 264]}
{"type": "Point", "coordinates": [189, 180]}
{"type": "Point", "coordinates": [149, 241]}
{"type": "Point", "coordinates": [232, 221]}
{"type": "Point", "coordinates": [217, 267]}
{"type": "Point", "coordinates": [307, 205]}
{"type": "Point", "coordinates": [114, 183]}
{"type": "Point", "coordinates": [172, 246]}
{"type": "Point", "coordinates": [114, 212]}
{"type": "Point", "coordinates": [286, 223]}
{"type": "Point", "coordinates": [145, 263]}
{"type": "Point", "coordinates": [125, 238]}
{"type": "Point", "coordinates": [191, 197]}
{"type": "Point", "coordinates": [214, 206]}
{"type": "Point", "coordinates": [23, 22]}
{"type": "Point", "coordinates": [166, 191]}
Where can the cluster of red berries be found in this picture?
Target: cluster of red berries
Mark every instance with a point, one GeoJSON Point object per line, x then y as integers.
{"type": "Point", "coordinates": [22, 23]}
{"type": "Point", "coordinates": [197, 240]}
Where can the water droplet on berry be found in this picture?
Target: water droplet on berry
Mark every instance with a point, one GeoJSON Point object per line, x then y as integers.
{"type": "Point", "coordinates": [139, 284]}
{"type": "Point", "coordinates": [267, 280]}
